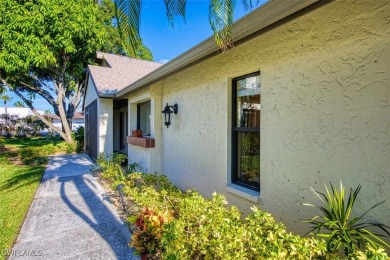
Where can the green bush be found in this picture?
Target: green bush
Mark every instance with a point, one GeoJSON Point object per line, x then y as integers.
{"type": "Point", "coordinates": [78, 137]}
{"type": "Point", "coordinates": [204, 229]}
{"type": "Point", "coordinates": [111, 167]}
{"type": "Point", "coordinates": [33, 156]}
{"type": "Point", "coordinates": [171, 224]}
{"type": "Point", "coordinates": [71, 147]}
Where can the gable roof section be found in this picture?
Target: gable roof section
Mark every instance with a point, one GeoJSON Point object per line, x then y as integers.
{"type": "Point", "coordinates": [121, 72]}
{"type": "Point", "coordinates": [262, 17]}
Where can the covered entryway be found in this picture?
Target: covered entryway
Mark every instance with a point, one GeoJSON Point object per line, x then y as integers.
{"type": "Point", "coordinates": [120, 132]}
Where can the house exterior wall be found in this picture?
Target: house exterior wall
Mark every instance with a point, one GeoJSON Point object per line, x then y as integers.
{"type": "Point", "coordinates": [150, 159]}
{"type": "Point", "coordinates": [325, 113]}
{"type": "Point", "coordinates": [105, 130]}
{"type": "Point", "coordinates": [91, 93]}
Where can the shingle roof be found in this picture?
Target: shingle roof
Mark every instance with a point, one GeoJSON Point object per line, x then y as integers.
{"type": "Point", "coordinates": [122, 71]}
{"type": "Point", "coordinates": [77, 115]}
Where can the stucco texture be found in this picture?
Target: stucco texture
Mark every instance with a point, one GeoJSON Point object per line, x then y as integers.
{"type": "Point", "coordinates": [325, 112]}
{"type": "Point", "coordinates": [91, 93]}
{"type": "Point", "coordinates": [105, 130]}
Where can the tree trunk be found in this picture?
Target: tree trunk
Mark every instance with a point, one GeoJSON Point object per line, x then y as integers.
{"type": "Point", "coordinates": [6, 120]}
{"type": "Point", "coordinates": [41, 117]}
{"type": "Point", "coordinates": [61, 110]}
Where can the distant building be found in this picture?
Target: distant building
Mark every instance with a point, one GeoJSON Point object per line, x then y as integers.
{"type": "Point", "coordinates": [21, 112]}
{"type": "Point", "coordinates": [77, 121]}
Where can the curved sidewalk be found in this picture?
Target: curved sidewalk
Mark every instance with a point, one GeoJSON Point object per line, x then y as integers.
{"type": "Point", "coordinates": [69, 217]}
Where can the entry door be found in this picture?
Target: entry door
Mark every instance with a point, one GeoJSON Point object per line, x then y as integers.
{"type": "Point", "coordinates": [91, 130]}
{"type": "Point", "coordinates": [123, 131]}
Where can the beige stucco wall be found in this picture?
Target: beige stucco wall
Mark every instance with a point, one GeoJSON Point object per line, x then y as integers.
{"type": "Point", "coordinates": [90, 94]}
{"type": "Point", "coordinates": [325, 112]}
{"type": "Point", "coordinates": [106, 122]}
{"type": "Point", "coordinates": [150, 159]}
{"type": "Point", "coordinates": [105, 119]}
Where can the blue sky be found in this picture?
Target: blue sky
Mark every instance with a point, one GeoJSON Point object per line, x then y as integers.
{"type": "Point", "coordinates": [164, 41]}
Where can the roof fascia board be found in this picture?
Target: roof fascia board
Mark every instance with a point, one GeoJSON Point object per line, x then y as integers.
{"type": "Point", "coordinates": [269, 13]}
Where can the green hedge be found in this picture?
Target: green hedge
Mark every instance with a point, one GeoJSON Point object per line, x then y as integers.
{"type": "Point", "coordinates": [171, 224]}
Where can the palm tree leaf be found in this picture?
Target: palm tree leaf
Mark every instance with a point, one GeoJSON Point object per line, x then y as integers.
{"type": "Point", "coordinates": [221, 21]}
{"type": "Point", "coordinates": [127, 14]}
{"type": "Point", "coordinates": [248, 4]}
{"type": "Point", "coordinates": [175, 8]}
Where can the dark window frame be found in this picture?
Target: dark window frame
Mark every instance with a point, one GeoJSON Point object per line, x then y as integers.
{"type": "Point", "coordinates": [139, 114]}
{"type": "Point", "coordinates": [234, 135]}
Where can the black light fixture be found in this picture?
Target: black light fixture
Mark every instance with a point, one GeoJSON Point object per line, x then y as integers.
{"type": "Point", "coordinates": [168, 110]}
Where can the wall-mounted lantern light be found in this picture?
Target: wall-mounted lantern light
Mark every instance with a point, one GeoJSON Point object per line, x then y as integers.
{"type": "Point", "coordinates": [168, 110]}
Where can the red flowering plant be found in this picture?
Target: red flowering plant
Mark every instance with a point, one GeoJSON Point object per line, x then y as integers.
{"type": "Point", "coordinates": [149, 229]}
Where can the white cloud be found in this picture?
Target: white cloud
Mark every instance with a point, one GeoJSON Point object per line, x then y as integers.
{"type": "Point", "coordinates": [163, 61]}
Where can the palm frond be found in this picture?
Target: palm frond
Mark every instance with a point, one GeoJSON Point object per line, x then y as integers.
{"type": "Point", "coordinates": [248, 4]}
{"type": "Point", "coordinates": [127, 14]}
{"type": "Point", "coordinates": [175, 8]}
{"type": "Point", "coordinates": [221, 21]}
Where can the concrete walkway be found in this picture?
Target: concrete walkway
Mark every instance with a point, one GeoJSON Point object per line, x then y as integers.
{"type": "Point", "coordinates": [69, 217]}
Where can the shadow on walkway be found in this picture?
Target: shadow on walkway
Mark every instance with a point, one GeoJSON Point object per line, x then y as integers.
{"type": "Point", "coordinates": [69, 217]}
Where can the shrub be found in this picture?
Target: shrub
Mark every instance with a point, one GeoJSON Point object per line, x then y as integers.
{"type": "Point", "coordinates": [183, 225]}
{"type": "Point", "coordinates": [204, 228]}
{"type": "Point", "coordinates": [71, 147]}
{"type": "Point", "coordinates": [78, 137]}
{"type": "Point", "coordinates": [112, 169]}
{"type": "Point", "coordinates": [269, 239]}
{"type": "Point", "coordinates": [33, 156]}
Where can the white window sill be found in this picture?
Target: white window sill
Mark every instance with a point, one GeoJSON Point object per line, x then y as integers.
{"type": "Point", "coordinates": [243, 192]}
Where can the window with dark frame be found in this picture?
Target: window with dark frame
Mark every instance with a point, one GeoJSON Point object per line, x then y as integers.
{"type": "Point", "coordinates": [143, 118]}
{"type": "Point", "coordinates": [246, 108]}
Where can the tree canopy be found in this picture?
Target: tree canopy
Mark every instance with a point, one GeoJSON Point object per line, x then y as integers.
{"type": "Point", "coordinates": [45, 46]}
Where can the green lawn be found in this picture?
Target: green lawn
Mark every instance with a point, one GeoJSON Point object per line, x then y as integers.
{"type": "Point", "coordinates": [19, 182]}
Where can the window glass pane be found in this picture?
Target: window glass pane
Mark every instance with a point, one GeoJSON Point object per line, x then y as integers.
{"type": "Point", "coordinates": [144, 118]}
{"type": "Point", "coordinates": [248, 102]}
{"type": "Point", "coordinates": [248, 160]}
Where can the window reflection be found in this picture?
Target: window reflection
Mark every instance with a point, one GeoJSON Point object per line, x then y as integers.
{"type": "Point", "coordinates": [248, 102]}
{"type": "Point", "coordinates": [246, 131]}
{"type": "Point", "coordinates": [249, 157]}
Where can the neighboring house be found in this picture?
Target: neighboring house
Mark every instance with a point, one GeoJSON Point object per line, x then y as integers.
{"type": "Point", "coordinates": [77, 121]}
{"type": "Point", "coordinates": [21, 112]}
{"type": "Point", "coordinates": [302, 99]}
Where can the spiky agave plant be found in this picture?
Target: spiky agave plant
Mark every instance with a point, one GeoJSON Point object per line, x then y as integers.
{"type": "Point", "coordinates": [340, 228]}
